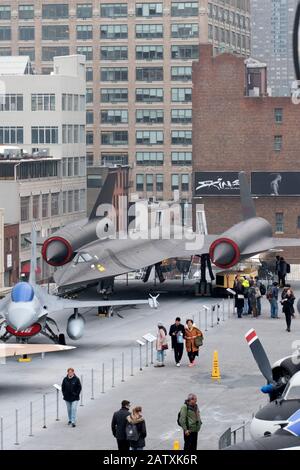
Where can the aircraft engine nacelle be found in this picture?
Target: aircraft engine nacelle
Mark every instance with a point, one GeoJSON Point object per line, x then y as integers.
{"type": "Point", "coordinates": [75, 326]}
{"type": "Point", "coordinates": [245, 237]}
{"type": "Point", "coordinates": [62, 246]}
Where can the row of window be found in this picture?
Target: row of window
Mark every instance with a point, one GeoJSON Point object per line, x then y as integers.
{"type": "Point", "coordinates": [42, 102]}
{"type": "Point", "coordinates": [279, 222]}
{"type": "Point", "coordinates": [42, 134]}
{"type": "Point", "coordinates": [148, 95]}
{"type": "Point", "coordinates": [149, 74]}
{"type": "Point", "coordinates": [150, 182]}
{"type": "Point", "coordinates": [230, 37]}
{"type": "Point", "coordinates": [73, 166]}
{"type": "Point", "coordinates": [142, 158]}
{"type": "Point", "coordinates": [143, 116]}
{"type": "Point", "coordinates": [229, 17]}
{"type": "Point", "coordinates": [53, 204]}
{"type": "Point", "coordinates": [70, 102]}
{"type": "Point", "coordinates": [143, 137]}
{"type": "Point", "coordinates": [73, 134]}
{"type": "Point", "coordinates": [86, 32]}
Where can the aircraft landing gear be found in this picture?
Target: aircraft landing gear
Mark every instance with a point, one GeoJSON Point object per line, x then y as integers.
{"type": "Point", "coordinates": [57, 338]}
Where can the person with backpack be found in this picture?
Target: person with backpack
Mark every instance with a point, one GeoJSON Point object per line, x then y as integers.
{"type": "Point", "coordinates": [136, 429]}
{"type": "Point", "coordinates": [190, 421]}
{"type": "Point", "coordinates": [263, 291]}
{"type": "Point", "coordinates": [288, 308]}
{"type": "Point", "coordinates": [161, 344]}
{"type": "Point", "coordinates": [253, 294]}
{"type": "Point", "coordinates": [272, 296]}
{"type": "Point", "coordinates": [118, 425]}
{"type": "Point", "coordinates": [177, 334]}
{"type": "Point", "coordinates": [193, 340]}
{"type": "Point", "coordinates": [282, 271]}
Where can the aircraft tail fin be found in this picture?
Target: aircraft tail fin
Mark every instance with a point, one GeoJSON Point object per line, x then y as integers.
{"type": "Point", "coordinates": [33, 260]}
{"type": "Point", "coordinates": [105, 195]}
{"type": "Point", "coordinates": [248, 207]}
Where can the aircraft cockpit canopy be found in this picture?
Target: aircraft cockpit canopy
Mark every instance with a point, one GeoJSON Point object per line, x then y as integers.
{"type": "Point", "coordinates": [82, 258]}
{"type": "Point", "coordinates": [22, 292]}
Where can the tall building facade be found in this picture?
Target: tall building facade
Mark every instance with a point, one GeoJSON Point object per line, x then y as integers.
{"type": "Point", "coordinates": [139, 87]}
{"type": "Point", "coordinates": [42, 147]}
{"type": "Point", "coordinates": [272, 33]}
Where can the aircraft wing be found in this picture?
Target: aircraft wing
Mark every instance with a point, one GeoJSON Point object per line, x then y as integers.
{"type": "Point", "coordinates": [7, 350]}
{"type": "Point", "coordinates": [282, 242]}
{"type": "Point", "coordinates": [3, 305]}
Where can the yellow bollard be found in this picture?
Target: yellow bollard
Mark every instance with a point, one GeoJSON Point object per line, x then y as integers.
{"type": "Point", "coordinates": [24, 358]}
{"type": "Point", "coordinates": [176, 445]}
{"type": "Point", "coordinates": [215, 373]}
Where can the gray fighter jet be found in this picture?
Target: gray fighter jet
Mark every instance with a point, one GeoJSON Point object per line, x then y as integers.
{"type": "Point", "coordinates": [25, 312]}
{"type": "Point", "coordinates": [87, 258]}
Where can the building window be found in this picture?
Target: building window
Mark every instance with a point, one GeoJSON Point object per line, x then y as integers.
{"type": "Point", "coordinates": [277, 143]}
{"type": "Point", "coordinates": [89, 117]}
{"type": "Point", "coordinates": [185, 182]}
{"type": "Point", "coordinates": [11, 102]}
{"type": "Point", "coordinates": [89, 74]}
{"type": "Point", "coordinates": [70, 201]}
{"type": "Point", "coordinates": [55, 32]}
{"type": "Point", "coordinates": [149, 137]}
{"type": "Point", "coordinates": [48, 53]}
{"type": "Point", "coordinates": [43, 102]}
{"type": "Point", "coordinates": [36, 207]}
{"type": "Point", "coordinates": [5, 51]}
{"type": "Point", "coordinates": [70, 166]}
{"type": "Point", "coordinates": [149, 31]}
{"type": "Point", "coordinates": [181, 116]}
{"type": "Point", "coordinates": [114, 138]}
{"type": "Point", "coordinates": [55, 11]}
{"type": "Point", "coordinates": [113, 10]}
{"type": "Point", "coordinates": [44, 135]}
{"type": "Point", "coordinates": [84, 10]}
{"type": "Point", "coordinates": [89, 97]}
{"type": "Point", "coordinates": [150, 116]}
{"type": "Point", "coordinates": [114, 74]}
{"type": "Point", "coordinates": [159, 183]}
{"type": "Point", "coordinates": [149, 95]}
{"type": "Point", "coordinates": [149, 52]}
{"type": "Point", "coordinates": [185, 52]}
{"type": "Point", "coordinates": [89, 138]}
{"type": "Point", "coordinates": [76, 200]}
{"type": "Point", "coordinates": [149, 182]}
{"type": "Point", "coordinates": [64, 202]}
{"type": "Point", "coordinates": [149, 158]}
{"type": "Point", "coordinates": [139, 182]}
{"type": "Point", "coordinates": [185, 30]}
{"type": "Point", "coordinates": [149, 74]}
{"type": "Point", "coordinates": [114, 159]}
{"type": "Point", "coordinates": [5, 33]}
{"type": "Point", "coordinates": [76, 166]}
{"type": "Point", "coordinates": [30, 51]}
{"type": "Point", "coordinates": [26, 33]}
{"type": "Point", "coordinates": [149, 9]}
{"type": "Point", "coordinates": [278, 115]}
{"type": "Point", "coordinates": [26, 12]}
{"type": "Point", "coordinates": [85, 50]}
{"type": "Point", "coordinates": [182, 95]}
{"type": "Point", "coordinates": [84, 32]}
{"type": "Point", "coordinates": [174, 182]}
{"type": "Point", "coordinates": [184, 9]}
{"type": "Point", "coordinates": [114, 53]}
{"type": "Point", "coordinates": [45, 206]}
{"type": "Point", "coordinates": [181, 158]}
{"type": "Point", "coordinates": [279, 222]}
{"type": "Point", "coordinates": [89, 159]}
{"type": "Point", "coordinates": [181, 73]}
{"type": "Point", "coordinates": [25, 205]}
{"type": "Point", "coordinates": [114, 95]}
{"type": "Point", "coordinates": [181, 138]}
{"type": "Point", "coordinates": [5, 12]}
{"type": "Point", "coordinates": [298, 222]}
{"type": "Point", "coordinates": [11, 135]}
{"type": "Point", "coordinates": [116, 31]}
{"type": "Point", "coordinates": [114, 116]}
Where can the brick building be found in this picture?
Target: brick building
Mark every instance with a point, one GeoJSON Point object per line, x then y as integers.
{"type": "Point", "coordinates": [236, 128]}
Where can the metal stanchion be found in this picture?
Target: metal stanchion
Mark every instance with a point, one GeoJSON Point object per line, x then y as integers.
{"type": "Point", "coordinates": [123, 368]}
{"type": "Point", "coordinates": [30, 421]}
{"type": "Point", "coordinates": [152, 354]}
{"type": "Point", "coordinates": [244, 430]}
{"type": "Point", "coordinates": [57, 405]}
{"type": "Point", "coordinates": [206, 313]}
{"type": "Point", "coordinates": [17, 428]}
{"type": "Point", "coordinates": [199, 319]}
{"type": "Point", "coordinates": [1, 434]}
{"type": "Point", "coordinates": [229, 306]}
{"type": "Point", "coordinates": [102, 391]}
{"type": "Point", "coordinates": [212, 309]}
{"type": "Point", "coordinates": [81, 395]}
{"type": "Point", "coordinates": [113, 374]}
{"type": "Point", "coordinates": [223, 309]}
{"type": "Point", "coordinates": [44, 412]}
{"type": "Point", "coordinates": [92, 380]}
{"type": "Point", "coordinates": [218, 314]}
{"type": "Point", "coordinates": [147, 344]}
{"type": "Point", "coordinates": [141, 357]}
{"type": "Point", "coordinates": [131, 360]}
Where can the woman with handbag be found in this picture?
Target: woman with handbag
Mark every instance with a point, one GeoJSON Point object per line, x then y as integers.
{"type": "Point", "coordinates": [161, 344]}
{"type": "Point", "coordinates": [193, 340]}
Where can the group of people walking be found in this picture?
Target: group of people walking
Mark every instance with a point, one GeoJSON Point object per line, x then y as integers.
{"type": "Point", "coordinates": [180, 334]}
{"type": "Point", "coordinates": [248, 294]}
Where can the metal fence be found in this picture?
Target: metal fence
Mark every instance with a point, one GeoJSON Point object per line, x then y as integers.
{"type": "Point", "coordinates": [232, 437]}
{"type": "Point", "coordinates": [25, 421]}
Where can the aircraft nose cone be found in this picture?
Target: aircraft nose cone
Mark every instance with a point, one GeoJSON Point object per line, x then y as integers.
{"type": "Point", "coordinates": [224, 254]}
{"type": "Point", "coordinates": [57, 252]}
{"type": "Point", "coordinates": [19, 320]}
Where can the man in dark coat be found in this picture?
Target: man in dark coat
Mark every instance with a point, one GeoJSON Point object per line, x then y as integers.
{"type": "Point", "coordinates": [118, 425]}
{"type": "Point", "coordinates": [282, 272]}
{"type": "Point", "coordinates": [71, 388]}
{"type": "Point", "coordinates": [177, 332]}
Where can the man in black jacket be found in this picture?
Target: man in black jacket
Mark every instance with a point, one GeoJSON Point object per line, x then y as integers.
{"type": "Point", "coordinates": [71, 388]}
{"type": "Point", "coordinates": [177, 334]}
{"type": "Point", "coordinates": [118, 425]}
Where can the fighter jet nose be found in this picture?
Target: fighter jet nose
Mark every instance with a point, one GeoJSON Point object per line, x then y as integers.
{"type": "Point", "coordinates": [224, 254]}
{"type": "Point", "coordinates": [56, 252]}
